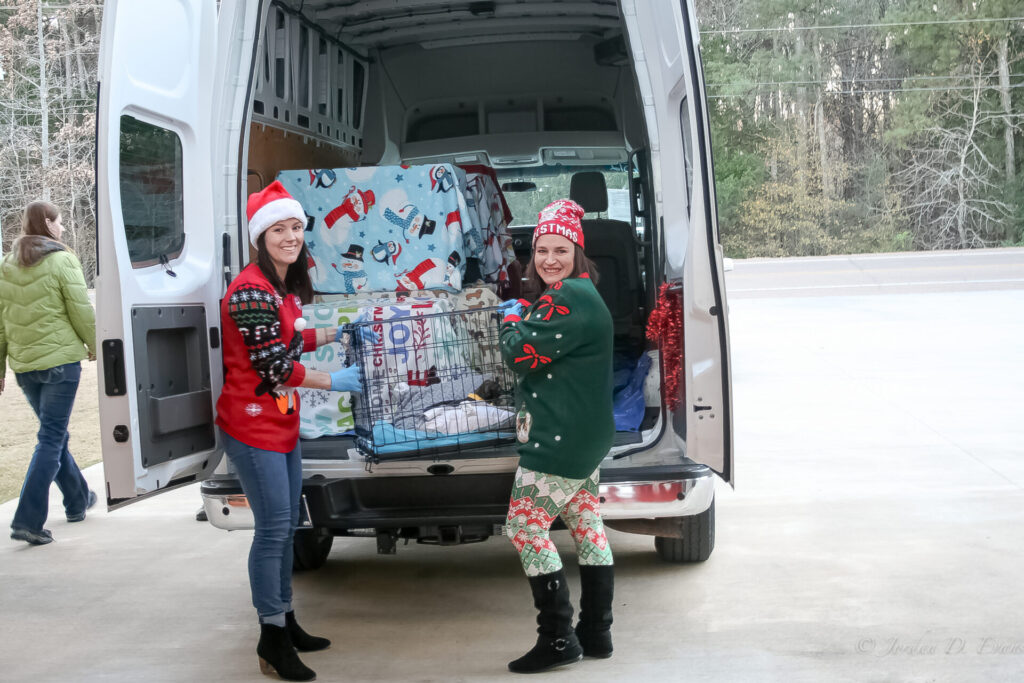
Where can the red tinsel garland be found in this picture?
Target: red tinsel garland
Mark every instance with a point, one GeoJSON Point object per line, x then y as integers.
{"type": "Point", "coordinates": [665, 326]}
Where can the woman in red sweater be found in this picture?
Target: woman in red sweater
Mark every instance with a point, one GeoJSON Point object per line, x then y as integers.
{"type": "Point", "coordinates": [258, 411]}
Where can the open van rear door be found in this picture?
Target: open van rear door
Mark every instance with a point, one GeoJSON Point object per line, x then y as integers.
{"type": "Point", "coordinates": [664, 42]}
{"type": "Point", "coordinates": [159, 278]}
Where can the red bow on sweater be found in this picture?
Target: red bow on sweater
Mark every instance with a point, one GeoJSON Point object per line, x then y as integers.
{"type": "Point", "coordinates": [532, 354]}
{"type": "Point", "coordinates": [547, 302]}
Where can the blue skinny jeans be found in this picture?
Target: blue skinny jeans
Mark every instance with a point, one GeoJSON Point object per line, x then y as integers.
{"type": "Point", "coordinates": [272, 482]}
{"type": "Point", "coordinates": [51, 393]}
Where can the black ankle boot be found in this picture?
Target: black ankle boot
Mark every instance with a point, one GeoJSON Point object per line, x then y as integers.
{"type": "Point", "coordinates": [302, 641]}
{"type": "Point", "coordinates": [556, 641]}
{"type": "Point", "coordinates": [594, 629]}
{"type": "Point", "coordinates": [277, 654]}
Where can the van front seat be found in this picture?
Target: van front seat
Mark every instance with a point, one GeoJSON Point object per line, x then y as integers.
{"type": "Point", "coordinates": [611, 245]}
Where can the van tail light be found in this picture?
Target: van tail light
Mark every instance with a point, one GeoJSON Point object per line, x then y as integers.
{"type": "Point", "coordinates": [657, 492]}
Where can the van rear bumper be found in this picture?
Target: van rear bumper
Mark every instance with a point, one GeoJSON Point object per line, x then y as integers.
{"type": "Point", "coordinates": [358, 506]}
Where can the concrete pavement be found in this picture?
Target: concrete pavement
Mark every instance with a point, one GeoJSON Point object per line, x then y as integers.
{"type": "Point", "coordinates": [876, 534]}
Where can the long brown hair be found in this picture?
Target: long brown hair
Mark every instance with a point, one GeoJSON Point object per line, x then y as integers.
{"type": "Point", "coordinates": [36, 240]}
{"type": "Point", "coordinates": [296, 278]}
{"type": "Point", "coordinates": [580, 265]}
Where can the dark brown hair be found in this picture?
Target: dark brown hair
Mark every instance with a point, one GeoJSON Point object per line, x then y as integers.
{"type": "Point", "coordinates": [296, 278]}
{"type": "Point", "coordinates": [36, 240]}
{"type": "Point", "coordinates": [580, 265]}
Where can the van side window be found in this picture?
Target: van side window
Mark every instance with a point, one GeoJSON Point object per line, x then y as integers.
{"type": "Point", "coordinates": [151, 185]}
{"type": "Point", "coordinates": [684, 125]}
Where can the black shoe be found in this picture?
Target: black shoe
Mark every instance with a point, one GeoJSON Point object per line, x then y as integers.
{"type": "Point", "coordinates": [594, 629]}
{"type": "Point", "coordinates": [201, 515]}
{"type": "Point", "coordinates": [556, 642]}
{"type": "Point", "coordinates": [277, 655]}
{"type": "Point", "coordinates": [81, 515]}
{"type": "Point", "coordinates": [302, 641]}
{"type": "Point", "coordinates": [41, 537]}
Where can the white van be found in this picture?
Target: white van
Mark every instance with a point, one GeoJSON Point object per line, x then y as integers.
{"type": "Point", "coordinates": [201, 103]}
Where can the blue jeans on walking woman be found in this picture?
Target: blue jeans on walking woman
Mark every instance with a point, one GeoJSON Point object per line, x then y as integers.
{"type": "Point", "coordinates": [51, 393]}
{"type": "Point", "coordinates": [272, 482]}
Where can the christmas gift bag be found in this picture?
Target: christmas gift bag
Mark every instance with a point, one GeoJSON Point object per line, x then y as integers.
{"type": "Point", "coordinates": [325, 412]}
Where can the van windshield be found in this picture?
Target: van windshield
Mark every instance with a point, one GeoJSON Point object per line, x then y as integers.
{"type": "Point", "coordinates": [528, 190]}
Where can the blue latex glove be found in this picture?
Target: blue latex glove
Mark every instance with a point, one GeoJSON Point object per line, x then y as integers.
{"type": "Point", "coordinates": [346, 379]}
{"type": "Point", "coordinates": [514, 307]}
{"type": "Point", "coordinates": [366, 335]}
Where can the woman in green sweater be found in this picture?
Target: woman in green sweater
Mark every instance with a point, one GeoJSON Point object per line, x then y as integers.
{"type": "Point", "coordinates": [47, 327]}
{"type": "Point", "coordinates": [560, 348]}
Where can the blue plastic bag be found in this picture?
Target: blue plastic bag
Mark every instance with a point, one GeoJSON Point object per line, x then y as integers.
{"type": "Point", "coordinates": [629, 406]}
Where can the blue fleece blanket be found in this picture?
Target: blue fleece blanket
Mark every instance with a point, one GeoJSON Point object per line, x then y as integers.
{"type": "Point", "coordinates": [388, 439]}
{"type": "Point", "coordinates": [385, 228]}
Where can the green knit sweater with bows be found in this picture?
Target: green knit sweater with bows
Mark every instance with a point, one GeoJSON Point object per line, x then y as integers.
{"type": "Point", "coordinates": [561, 352]}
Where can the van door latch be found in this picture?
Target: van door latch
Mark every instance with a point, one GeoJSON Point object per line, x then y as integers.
{"type": "Point", "coordinates": [697, 409]}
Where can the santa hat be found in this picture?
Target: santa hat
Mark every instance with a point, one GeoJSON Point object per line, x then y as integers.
{"type": "Point", "coordinates": [270, 205]}
{"type": "Point", "coordinates": [561, 217]}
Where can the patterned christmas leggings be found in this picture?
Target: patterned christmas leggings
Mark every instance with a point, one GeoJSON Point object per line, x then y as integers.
{"type": "Point", "coordinates": [537, 499]}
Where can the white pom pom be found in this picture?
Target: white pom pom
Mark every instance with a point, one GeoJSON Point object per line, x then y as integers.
{"type": "Point", "coordinates": [300, 324]}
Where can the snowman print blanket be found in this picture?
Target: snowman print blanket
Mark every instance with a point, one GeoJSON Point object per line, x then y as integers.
{"type": "Point", "coordinates": [385, 228]}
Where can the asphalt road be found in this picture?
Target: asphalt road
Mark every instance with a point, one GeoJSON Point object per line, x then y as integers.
{"type": "Point", "coordinates": [929, 272]}
{"type": "Point", "coordinates": [876, 532]}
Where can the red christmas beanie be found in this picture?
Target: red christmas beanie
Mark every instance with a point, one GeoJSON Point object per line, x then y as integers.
{"type": "Point", "coordinates": [561, 217]}
{"type": "Point", "coordinates": [268, 206]}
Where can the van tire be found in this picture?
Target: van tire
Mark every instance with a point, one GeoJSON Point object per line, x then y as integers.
{"type": "Point", "coordinates": [311, 548]}
{"type": "Point", "coordinates": [697, 542]}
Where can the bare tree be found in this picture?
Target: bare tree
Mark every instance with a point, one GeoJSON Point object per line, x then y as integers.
{"type": "Point", "coordinates": [951, 189]}
{"type": "Point", "coordinates": [47, 115]}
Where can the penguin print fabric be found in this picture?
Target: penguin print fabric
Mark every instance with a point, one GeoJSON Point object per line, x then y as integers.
{"type": "Point", "coordinates": [385, 228]}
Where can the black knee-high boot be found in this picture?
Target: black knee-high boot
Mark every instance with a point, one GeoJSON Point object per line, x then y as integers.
{"type": "Point", "coordinates": [556, 641]}
{"type": "Point", "coordinates": [594, 629]}
{"type": "Point", "coordinates": [302, 641]}
{"type": "Point", "coordinates": [277, 654]}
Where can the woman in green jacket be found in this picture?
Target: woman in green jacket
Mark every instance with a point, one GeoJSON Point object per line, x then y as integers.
{"type": "Point", "coordinates": [47, 326]}
{"type": "Point", "coordinates": [560, 348]}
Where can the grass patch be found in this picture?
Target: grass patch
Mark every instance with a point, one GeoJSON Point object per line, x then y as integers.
{"type": "Point", "coordinates": [18, 432]}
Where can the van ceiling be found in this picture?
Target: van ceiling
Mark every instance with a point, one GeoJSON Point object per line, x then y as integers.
{"type": "Point", "coordinates": [365, 24]}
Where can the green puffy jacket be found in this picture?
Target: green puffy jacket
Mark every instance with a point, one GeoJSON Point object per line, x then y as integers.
{"type": "Point", "coordinates": [46, 319]}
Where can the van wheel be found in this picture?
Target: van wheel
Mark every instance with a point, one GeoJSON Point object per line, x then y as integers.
{"type": "Point", "coordinates": [697, 542]}
{"type": "Point", "coordinates": [311, 548]}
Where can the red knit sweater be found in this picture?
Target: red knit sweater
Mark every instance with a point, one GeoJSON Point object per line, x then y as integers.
{"type": "Point", "coordinates": [259, 405]}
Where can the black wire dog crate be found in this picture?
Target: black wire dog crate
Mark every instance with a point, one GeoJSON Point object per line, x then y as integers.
{"type": "Point", "coordinates": [432, 384]}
